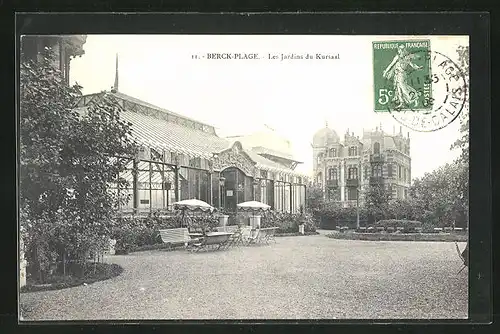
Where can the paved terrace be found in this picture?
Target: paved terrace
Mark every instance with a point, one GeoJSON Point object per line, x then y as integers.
{"type": "Point", "coordinates": [296, 278]}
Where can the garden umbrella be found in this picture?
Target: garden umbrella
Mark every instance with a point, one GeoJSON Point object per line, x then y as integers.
{"type": "Point", "coordinates": [193, 205]}
{"type": "Point", "coordinates": [253, 206]}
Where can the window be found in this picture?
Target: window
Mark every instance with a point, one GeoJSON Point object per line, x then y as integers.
{"type": "Point", "coordinates": [173, 157]}
{"type": "Point", "coordinates": [332, 174]}
{"type": "Point", "coordinates": [352, 194]}
{"type": "Point", "coordinates": [320, 157]}
{"type": "Point", "coordinates": [406, 193]}
{"type": "Point", "coordinates": [389, 170]}
{"type": "Point", "coordinates": [377, 171]}
{"type": "Point", "coordinates": [353, 150]}
{"type": "Point", "coordinates": [404, 174]}
{"type": "Point", "coordinates": [332, 152]}
{"type": "Point", "coordinates": [376, 148]}
{"type": "Point", "coordinates": [195, 162]}
{"type": "Point", "coordinates": [352, 173]}
{"type": "Point", "coordinates": [399, 172]}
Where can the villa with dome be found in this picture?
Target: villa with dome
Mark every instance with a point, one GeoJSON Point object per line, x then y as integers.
{"type": "Point", "coordinates": [344, 169]}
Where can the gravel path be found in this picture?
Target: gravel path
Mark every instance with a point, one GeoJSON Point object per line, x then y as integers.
{"type": "Point", "coordinates": [296, 278]}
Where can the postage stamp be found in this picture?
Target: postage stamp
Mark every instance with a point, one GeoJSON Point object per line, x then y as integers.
{"type": "Point", "coordinates": [398, 70]}
{"type": "Point", "coordinates": [422, 89]}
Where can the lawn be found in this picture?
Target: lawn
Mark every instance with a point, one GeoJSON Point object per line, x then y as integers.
{"type": "Point", "coordinates": [307, 277]}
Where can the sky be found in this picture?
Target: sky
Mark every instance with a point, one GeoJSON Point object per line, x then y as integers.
{"type": "Point", "coordinates": [295, 97]}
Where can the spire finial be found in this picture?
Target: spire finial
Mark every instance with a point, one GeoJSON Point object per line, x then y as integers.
{"type": "Point", "coordinates": [115, 86]}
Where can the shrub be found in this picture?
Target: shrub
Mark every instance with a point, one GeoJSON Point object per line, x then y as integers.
{"type": "Point", "coordinates": [134, 232]}
{"type": "Point", "coordinates": [287, 222]}
{"type": "Point", "coordinates": [407, 225]}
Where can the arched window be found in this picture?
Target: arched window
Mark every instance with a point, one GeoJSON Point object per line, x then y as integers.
{"type": "Point", "coordinates": [376, 148]}
{"type": "Point", "coordinates": [352, 173]}
{"type": "Point", "coordinates": [332, 174]}
{"type": "Point", "coordinates": [332, 152]}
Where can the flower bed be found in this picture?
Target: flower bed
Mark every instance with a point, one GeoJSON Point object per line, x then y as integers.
{"type": "Point", "coordinates": [399, 236]}
{"type": "Point", "coordinates": [96, 272]}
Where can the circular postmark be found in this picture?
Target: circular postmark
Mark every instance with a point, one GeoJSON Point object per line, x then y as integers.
{"type": "Point", "coordinates": [427, 90]}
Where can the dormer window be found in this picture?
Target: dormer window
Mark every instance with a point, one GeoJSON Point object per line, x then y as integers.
{"type": "Point", "coordinates": [376, 148]}
{"type": "Point", "coordinates": [332, 152]}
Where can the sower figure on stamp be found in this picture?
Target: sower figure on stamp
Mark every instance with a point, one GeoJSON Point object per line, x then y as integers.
{"type": "Point", "coordinates": [396, 71]}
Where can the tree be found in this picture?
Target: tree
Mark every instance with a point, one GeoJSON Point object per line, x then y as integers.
{"type": "Point", "coordinates": [377, 202]}
{"type": "Point", "coordinates": [435, 198]}
{"type": "Point", "coordinates": [462, 143]}
{"type": "Point", "coordinates": [66, 166]}
{"type": "Point", "coordinates": [314, 198]}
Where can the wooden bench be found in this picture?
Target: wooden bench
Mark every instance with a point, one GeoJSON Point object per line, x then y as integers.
{"type": "Point", "coordinates": [176, 236]}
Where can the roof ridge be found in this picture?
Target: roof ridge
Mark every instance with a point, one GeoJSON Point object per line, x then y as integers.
{"type": "Point", "coordinates": [153, 106]}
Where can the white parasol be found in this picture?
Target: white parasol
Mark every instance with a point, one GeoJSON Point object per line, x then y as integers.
{"type": "Point", "coordinates": [253, 206]}
{"type": "Point", "coordinates": [193, 205]}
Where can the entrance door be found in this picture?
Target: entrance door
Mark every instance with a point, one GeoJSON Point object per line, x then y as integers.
{"type": "Point", "coordinates": [234, 186]}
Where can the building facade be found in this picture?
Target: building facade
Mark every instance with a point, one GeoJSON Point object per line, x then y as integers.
{"type": "Point", "coordinates": [345, 169]}
{"type": "Point", "coordinates": [182, 158]}
{"type": "Point", "coordinates": [64, 49]}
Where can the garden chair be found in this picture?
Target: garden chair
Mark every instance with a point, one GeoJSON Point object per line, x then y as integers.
{"type": "Point", "coordinates": [246, 235]}
{"type": "Point", "coordinates": [235, 238]}
{"type": "Point", "coordinates": [268, 234]}
{"type": "Point", "coordinates": [176, 236]}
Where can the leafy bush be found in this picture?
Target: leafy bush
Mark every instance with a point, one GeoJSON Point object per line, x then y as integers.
{"type": "Point", "coordinates": [135, 232]}
{"type": "Point", "coordinates": [287, 222]}
{"type": "Point", "coordinates": [407, 225]}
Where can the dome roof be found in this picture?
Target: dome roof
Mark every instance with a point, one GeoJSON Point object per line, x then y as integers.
{"type": "Point", "coordinates": [325, 136]}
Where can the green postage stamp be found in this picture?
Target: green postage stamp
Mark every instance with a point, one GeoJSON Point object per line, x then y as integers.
{"type": "Point", "coordinates": [402, 76]}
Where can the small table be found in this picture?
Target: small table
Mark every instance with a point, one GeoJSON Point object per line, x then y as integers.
{"type": "Point", "coordinates": [218, 233]}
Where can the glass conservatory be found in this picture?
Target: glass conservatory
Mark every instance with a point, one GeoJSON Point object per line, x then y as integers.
{"type": "Point", "coordinates": [181, 158]}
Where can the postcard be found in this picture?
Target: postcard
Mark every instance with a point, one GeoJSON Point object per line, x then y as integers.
{"type": "Point", "coordinates": [224, 177]}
